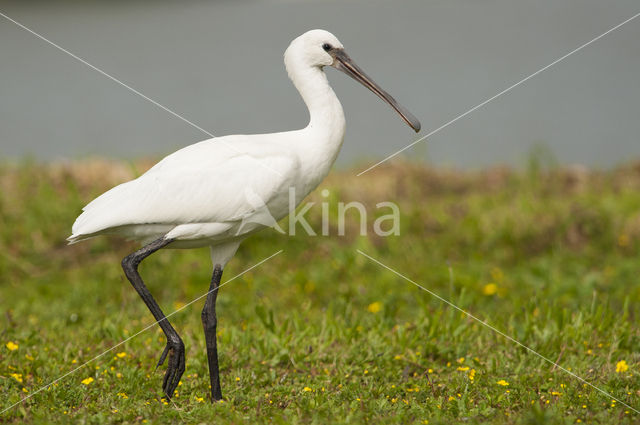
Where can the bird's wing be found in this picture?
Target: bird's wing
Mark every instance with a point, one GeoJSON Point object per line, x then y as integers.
{"type": "Point", "coordinates": [203, 183]}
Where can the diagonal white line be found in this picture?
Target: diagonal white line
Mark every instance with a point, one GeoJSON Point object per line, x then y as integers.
{"type": "Point", "coordinates": [114, 79]}
{"type": "Point", "coordinates": [480, 105]}
{"type": "Point", "coordinates": [109, 76]}
{"type": "Point", "coordinates": [138, 333]}
{"type": "Point", "coordinates": [482, 322]}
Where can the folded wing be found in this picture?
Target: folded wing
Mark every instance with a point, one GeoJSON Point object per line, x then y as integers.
{"type": "Point", "coordinates": [203, 183]}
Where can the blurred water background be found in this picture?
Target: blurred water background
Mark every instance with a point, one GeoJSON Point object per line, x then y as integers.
{"type": "Point", "coordinates": [219, 64]}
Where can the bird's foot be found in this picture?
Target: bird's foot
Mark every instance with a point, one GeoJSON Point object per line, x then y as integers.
{"type": "Point", "coordinates": [175, 367]}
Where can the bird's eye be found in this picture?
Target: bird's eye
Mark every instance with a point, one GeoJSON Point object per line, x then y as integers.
{"type": "Point", "coordinates": [326, 47]}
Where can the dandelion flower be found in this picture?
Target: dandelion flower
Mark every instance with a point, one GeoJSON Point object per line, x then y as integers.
{"type": "Point", "coordinates": [490, 289]}
{"type": "Point", "coordinates": [12, 346]}
{"type": "Point", "coordinates": [375, 307]}
{"type": "Point", "coordinates": [121, 355]}
{"type": "Point", "coordinates": [87, 381]}
{"type": "Point", "coordinates": [503, 383]}
{"type": "Point", "coordinates": [463, 368]}
{"type": "Point", "coordinates": [307, 389]}
{"type": "Point", "coordinates": [622, 366]}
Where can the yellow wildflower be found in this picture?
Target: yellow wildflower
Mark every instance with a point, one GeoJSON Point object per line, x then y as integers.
{"type": "Point", "coordinates": [12, 346]}
{"type": "Point", "coordinates": [463, 368]}
{"type": "Point", "coordinates": [490, 289]}
{"type": "Point", "coordinates": [123, 395]}
{"type": "Point", "coordinates": [460, 360]}
{"type": "Point", "coordinates": [121, 355]}
{"type": "Point", "coordinates": [502, 382]}
{"type": "Point", "coordinates": [472, 374]}
{"type": "Point", "coordinates": [622, 366]}
{"type": "Point", "coordinates": [307, 389]}
{"type": "Point", "coordinates": [28, 357]}
{"type": "Point", "coordinates": [87, 381]}
{"type": "Point", "coordinates": [375, 307]}
{"type": "Point", "coordinates": [17, 377]}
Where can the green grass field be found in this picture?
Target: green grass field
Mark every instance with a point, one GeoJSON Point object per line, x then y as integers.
{"type": "Point", "coordinates": [321, 334]}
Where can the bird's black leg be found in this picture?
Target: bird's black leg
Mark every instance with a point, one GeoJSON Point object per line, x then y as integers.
{"type": "Point", "coordinates": [210, 322]}
{"type": "Point", "coordinates": [175, 346]}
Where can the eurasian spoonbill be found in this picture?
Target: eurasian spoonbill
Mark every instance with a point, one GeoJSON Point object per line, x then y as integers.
{"type": "Point", "coordinates": [197, 196]}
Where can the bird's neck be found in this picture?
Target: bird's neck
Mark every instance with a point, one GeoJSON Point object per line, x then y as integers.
{"type": "Point", "coordinates": [326, 117]}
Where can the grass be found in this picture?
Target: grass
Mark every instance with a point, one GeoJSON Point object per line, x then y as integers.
{"type": "Point", "coordinates": [321, 334]}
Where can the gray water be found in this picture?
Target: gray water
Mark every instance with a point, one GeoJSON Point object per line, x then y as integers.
{"type": "Point", "coordinates": [219, 64]}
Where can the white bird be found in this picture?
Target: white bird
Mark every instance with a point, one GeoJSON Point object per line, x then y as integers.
{"type": "Point", "coordinates": [214, 193]}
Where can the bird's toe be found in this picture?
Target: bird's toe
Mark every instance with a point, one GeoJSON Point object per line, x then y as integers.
{"type": "Point", "coordinates": [175, 367]}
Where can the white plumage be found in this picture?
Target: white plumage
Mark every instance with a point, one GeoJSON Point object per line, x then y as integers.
{"type": "Point", "coordinates": [197, 194]}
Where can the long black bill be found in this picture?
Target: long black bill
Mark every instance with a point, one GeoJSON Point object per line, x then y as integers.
{"type": "Point", "coordinates": [345, 64]}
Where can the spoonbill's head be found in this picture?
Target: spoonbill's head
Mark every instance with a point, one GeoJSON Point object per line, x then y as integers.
{"type": "Point", "coordinates": [320, 48]}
